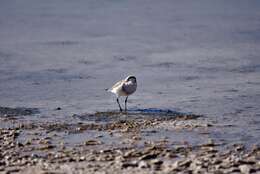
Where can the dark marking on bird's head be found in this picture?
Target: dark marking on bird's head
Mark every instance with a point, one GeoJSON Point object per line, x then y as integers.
{"type": "Point", "coordinates": [131, 78]}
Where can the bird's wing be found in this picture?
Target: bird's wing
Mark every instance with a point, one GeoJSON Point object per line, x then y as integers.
{"type": "Point", "coordinates": [116, 85]}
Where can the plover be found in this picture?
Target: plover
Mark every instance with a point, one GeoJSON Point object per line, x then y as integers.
{"type": "Point", "coordinates": [124, 87]}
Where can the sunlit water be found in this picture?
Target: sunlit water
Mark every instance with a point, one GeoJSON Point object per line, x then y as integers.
{"type": "Point", "coordinates": [199, 57]}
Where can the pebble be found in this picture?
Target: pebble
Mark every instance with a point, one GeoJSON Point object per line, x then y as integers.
{"type": "Point", "coordinates": [129, 164]}
{"type": "Point", "coordinates": [92, 142]}
{"type": "Point", "coordinates": [148, 156]}
{"type": "Point", "coordinates": [143, 164]}
{"type": "Point", "coordinates": [245, 169]}
{"type": "Point", "coordinates": [154, 156]}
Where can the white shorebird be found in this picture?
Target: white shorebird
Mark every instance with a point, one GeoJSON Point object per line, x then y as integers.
{"type": "Point", "coordinates": [124, 87]}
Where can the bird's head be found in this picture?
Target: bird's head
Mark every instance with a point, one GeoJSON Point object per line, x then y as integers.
{"type": "Point", "coordinates": [131, 78]}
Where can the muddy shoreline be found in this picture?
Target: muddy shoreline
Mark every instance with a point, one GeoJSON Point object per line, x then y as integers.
{"type": "Point", "coordinates": [119, 144]}
{"type": "Point", "coordinates": [58, 57]}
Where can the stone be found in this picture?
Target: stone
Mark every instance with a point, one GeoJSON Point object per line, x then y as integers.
{"type": "Point", "coordinates": [143, 164]}
{"type": "Point", "coordinates": [245, 169]}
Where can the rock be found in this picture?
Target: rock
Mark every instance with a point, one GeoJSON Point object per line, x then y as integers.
{"type": "Point", "coordinates": [148, 156]}
{"type": "Point", "coordinates": [46, 147]}
{"type": "Point", "coordinates": [131, 153]}
{"type": "Point", "coordinates": [129, 164]}
{"type": "Point", "coordinates": [156, 161]}
{"type": "Point", "coordinates": [28, 142]}
{"type": "Point", "coordinates": [136, 138]}
{"type": "Point", "coordinates": [194, 166]}
{"type": "Point", "coordinates": [33, 155]}
{"type": "Point", "coordinates": [82, 158]}
{"type": "Point", "coordinates": [175, 165]}
{"type": "Point", "coordinates": [58, 108]}
{"type": "Point", "coordinates": [143, 164]}
{"type": "Point", "coordinates": [245, 169]}
{"type": "Point", "coordinates": [231, 170]}
{"type": "Point", "coordinates": [12, 170]}
{"type": "Point", "coordinates": [119, 159]}
{"type": "Point", "coordinates": [44, 141]}
{"type": "Point", "coordinates": [92, 142]}
{"type": "Point", "coordinates": [185, 163]}
{"type": "Point", "coordinates": [210, 143]}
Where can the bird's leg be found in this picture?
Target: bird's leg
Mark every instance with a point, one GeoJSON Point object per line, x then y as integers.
{"type": "Point", "coordinates": [119, 105]}
{"type": "Point", "coordinates": [126, 103]}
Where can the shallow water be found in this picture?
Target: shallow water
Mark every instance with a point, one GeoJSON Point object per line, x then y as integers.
{"type": "Point", "coordinates": [194, 57]}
